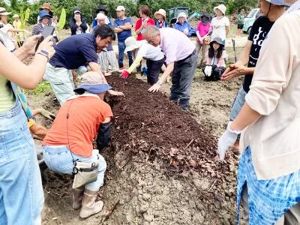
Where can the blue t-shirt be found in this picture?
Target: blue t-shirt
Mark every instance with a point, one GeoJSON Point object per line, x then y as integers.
{"type": "Point", "coordinates": [75, 51]}
{"type": "Point", "coordinates": [122, 36]}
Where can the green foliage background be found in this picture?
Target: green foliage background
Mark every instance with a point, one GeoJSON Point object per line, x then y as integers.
{"type": "Point", "coordinates": [88, 7]}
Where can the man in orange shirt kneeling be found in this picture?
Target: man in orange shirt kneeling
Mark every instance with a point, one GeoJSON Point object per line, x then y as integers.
{"type": "Point", "coordinates": [68, 146]}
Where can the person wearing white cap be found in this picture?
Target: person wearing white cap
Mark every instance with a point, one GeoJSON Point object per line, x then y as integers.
{"type": "Point", "coordinates": [220, 23]}
{"type": "Point", "coordinates": [154, 56]}
{"type": "Point", "coordinates": [123, 27]}
{"type": "Point", "coordinates": [183, 25]}
{"type": "Point", "coordinates": [82, 119]}
{"type": "Point", "coordinates": [269, 165]}
{"type": "Point", "coordinates": [161, 18]}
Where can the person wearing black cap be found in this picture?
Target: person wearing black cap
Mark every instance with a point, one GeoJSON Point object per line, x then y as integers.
{"type": "Point", "coordinates": [204, 30]}
{"type": "Point", "coordinates": [78, 24]}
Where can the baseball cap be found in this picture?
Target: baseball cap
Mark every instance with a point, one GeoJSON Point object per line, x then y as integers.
{"type": "Point", "coordinates": [120, 8]}
{"type": "Point", "coordinates": [93, 83]}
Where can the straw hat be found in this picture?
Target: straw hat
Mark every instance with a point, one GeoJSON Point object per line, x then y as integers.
{"type": "Point", "coordinates": [221, 7]}
{"type": "Point", "coordinates": [161, 12]}
{"type": "Point", "coordinates": [3, 12]}
{"type": "Point", "coordinates": [46, 5]}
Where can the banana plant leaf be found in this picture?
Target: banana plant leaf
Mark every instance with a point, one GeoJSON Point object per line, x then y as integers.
{"type": "Point", "coordinates": [62, 19]}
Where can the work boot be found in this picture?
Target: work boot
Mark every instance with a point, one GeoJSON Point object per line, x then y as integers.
{"type": "Point", "coordinates": [77, 195]}
{"type": "Point", "coordinates": [89, 204]}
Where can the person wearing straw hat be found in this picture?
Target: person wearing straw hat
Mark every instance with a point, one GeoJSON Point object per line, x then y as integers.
{"type": "Point", "coordinates": [161, 18]}
{"type": "Point", "coordinates": [220, 23]}
{"type": "Point", "coordinates": [46, 6]}
{"type": "Point", "coordinates": [82, 119]}
{"type": "Point", "coordinates": [154, 56]}
{"type": "Point", "coordinates": [183, 25]}
{"type": "Point", "coordinates": [4, 25]}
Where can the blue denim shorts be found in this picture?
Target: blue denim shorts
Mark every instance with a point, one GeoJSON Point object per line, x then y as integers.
{"type": "Point", "coordinates": [238, 104]}
{"type": "Point", "coordinates": [21, 191]}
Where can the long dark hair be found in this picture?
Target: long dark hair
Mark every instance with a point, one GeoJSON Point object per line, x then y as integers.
{"type": "Point", "coordinates": [211, 51]}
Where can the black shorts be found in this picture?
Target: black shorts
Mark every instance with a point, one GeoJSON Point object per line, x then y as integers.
{"type": "Point", "coordinates": [240, 26]}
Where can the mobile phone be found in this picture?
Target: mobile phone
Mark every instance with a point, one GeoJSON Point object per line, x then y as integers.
{"type": "Point", "coordinates": [47, 31]}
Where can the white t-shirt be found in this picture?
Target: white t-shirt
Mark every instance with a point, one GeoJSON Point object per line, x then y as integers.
{"type": "Point", "coordinates": [148, 51]}
{"type": "Point", "coordinates": [219, 27]}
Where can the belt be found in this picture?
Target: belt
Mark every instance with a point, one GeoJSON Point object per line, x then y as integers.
{"type": "Point", "coordinates": [194, 52]}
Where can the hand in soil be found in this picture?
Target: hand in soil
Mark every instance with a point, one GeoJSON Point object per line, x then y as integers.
{"type": "Point", "coordinates": [227, 139]}
{"type": "Point", "coordinates": [154, 88]}
{"type": "Point", "coordinates": [116, 93]}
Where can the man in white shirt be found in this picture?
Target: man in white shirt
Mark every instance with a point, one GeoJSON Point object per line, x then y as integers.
{"type": "Point", "coordinates": [154, 56]}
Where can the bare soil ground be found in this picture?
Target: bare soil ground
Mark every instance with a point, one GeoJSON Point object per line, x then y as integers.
{"type": "Point", "coordinates": [161, 168]}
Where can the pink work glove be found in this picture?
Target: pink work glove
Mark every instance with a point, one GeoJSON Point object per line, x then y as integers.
{"type": "Point", "coordinates": [125, 74]}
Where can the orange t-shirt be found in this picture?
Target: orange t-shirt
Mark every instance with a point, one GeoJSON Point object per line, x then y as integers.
{"type": "Point", "coordinates": [77, 123]}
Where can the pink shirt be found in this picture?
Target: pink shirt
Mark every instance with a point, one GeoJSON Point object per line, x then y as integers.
{"type": "Point", "coordinates": [203, 29]}
{"type": "Point", "coordinates": [175, 44]}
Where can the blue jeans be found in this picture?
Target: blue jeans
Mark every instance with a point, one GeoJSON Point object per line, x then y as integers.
{"type": "Point", "coordinates": [122, 46]}
{"type": "Point", "coordinates": [21, 191]}
{"type": "Point", "coordinates": [238, 104]}
{"type": "Point", "coordinates": [59, 159]}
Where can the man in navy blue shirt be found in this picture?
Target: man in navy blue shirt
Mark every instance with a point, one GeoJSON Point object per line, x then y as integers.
{"type": "Point", "coordinates": [73, 52]}
{"type": "Point", "coordinates": [123, 29]}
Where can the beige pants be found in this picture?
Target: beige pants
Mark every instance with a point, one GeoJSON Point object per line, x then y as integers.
{"type": "Point", "coordinates": [202, 50]}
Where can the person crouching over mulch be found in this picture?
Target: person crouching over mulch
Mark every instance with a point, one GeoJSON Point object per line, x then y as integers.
{"type": "Point", "coordinates": [215, 62]}
{"type": "Point", "coordinates": [154, 56]}
{"type": "Point", "coordinates": [68, 146]}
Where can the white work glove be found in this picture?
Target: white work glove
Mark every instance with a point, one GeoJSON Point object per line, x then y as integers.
{"type": "Point", "coordinates": [226, 140]}
{"type": "Point", "coordinates": [208, 71]}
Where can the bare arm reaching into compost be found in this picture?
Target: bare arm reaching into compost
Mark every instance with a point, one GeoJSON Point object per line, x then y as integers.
{"type": "Point", "coordinates": [27, 76]}
{"type": "Point", "coordinates": [95, 67]}
{"type": "Point", "coordinates": [166, 74]}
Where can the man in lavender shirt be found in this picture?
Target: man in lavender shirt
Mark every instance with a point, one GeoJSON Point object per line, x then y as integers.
{"type": "Point", "coordinates": [181, 60]}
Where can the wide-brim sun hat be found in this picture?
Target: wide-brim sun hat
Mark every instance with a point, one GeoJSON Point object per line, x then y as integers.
{"type": "Point", "coordinates": [222, 8]}
{"type": "Point", "coordinates": [161, 12]}
{"type": "Point", "coordinates": [93, 83]}
{"type": "Point", "coordinates": [3, 12]}
{"type": "Point", "coordinates": [16, 16]}
{"type": "Point", "coordinates": [218, 41]}
{"type": "Point", "coordinates": [132, 44]}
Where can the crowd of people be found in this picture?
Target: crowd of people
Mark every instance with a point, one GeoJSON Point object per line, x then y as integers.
{"type": "Point", "coordinates": [263, 122]}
